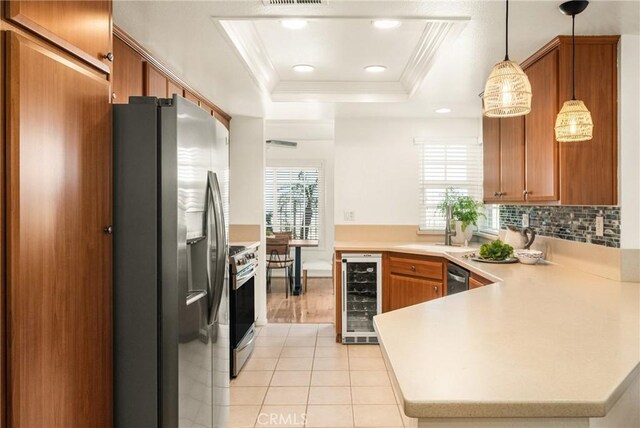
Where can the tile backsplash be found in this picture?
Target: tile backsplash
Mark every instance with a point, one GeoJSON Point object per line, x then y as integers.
{"type": "Point", "coordinates": [574, 223]}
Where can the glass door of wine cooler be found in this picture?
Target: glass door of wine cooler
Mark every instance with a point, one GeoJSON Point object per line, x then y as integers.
{"type": "Point", "coordinates": [361, 296]}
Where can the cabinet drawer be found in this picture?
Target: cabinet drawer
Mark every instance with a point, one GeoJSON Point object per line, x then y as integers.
{"type": "Point", "coordinates": [416, 267]}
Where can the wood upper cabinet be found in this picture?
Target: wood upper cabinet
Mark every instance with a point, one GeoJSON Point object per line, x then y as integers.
{"type": "Point", "coordinates": [408, 290]}
{"type": "Point", "coordinates": [512, 159]}
{"type": "Point", "coordinates": [59, 292]}
{"type": "Point", "coordinates": [533, 166]}
{"type": "Point", "coordinates": [174, 88]}
{"type": "Point", "coordinates": [541, 170]}
{"type": "Point", "coordinates": [491, 159]}
{"type": "Point", "coordinates": [589, 169]}
{"type": "Point", "coordinates": [78, 26]}
{"type": "Point", "coordinates": [127, 76]}
{"type": "Point", "coordinates": [155, 83]}
{"type": "Point", "coordinates": [191, 97]}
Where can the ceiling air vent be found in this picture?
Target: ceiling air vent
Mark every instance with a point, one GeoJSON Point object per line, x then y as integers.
{"type": "Point", "coordinates": [293, 2]}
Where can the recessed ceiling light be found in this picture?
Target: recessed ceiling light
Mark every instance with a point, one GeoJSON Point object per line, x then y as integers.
{"type": "Point", "coordinates": [385, 24]}
{"type": "Point", "coordinates": [294, 23]}
{"type": "Point", "coordinates": [303, 68]}
{"type": "Point", "coordinates": [375, 68]}
{"type": "Point", "coordinates": [443, 110]}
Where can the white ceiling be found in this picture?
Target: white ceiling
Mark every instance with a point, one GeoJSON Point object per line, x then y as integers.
{"type": "Point", "coordinates": [184, 36]}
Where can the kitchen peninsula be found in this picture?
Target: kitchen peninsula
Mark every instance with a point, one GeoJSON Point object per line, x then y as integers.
{"type": "Point", "coordinates": [544, 345]}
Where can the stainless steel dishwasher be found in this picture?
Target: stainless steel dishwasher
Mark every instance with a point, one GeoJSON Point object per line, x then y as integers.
{"type": "Point", "coordinates": [457, 279]}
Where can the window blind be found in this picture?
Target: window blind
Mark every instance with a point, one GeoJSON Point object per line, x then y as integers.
{"type": "Point", "coordinates": [443, 164]}
{"type": "Point", "coordinates": [292, 199]}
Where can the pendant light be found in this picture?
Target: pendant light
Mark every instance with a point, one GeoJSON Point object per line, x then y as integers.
{"type": "Point", "coordinates": [574, 120]}
{"type": "Point", "coordinates": [507, 92]}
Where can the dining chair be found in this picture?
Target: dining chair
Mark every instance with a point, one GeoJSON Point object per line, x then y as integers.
{"type": "Point", "coordinates": [278, 258]}
{"type": "Point", "coordinates": [283, 235]}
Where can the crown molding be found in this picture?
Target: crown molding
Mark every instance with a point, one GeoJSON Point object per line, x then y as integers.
{"type": "Point", "coordinates": [437, 36]}
{"type": "Point", "coordinates": [248, 44]}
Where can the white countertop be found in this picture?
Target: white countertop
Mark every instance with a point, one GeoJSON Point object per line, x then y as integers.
{"type": "Point", "coordinates": [543, 341]}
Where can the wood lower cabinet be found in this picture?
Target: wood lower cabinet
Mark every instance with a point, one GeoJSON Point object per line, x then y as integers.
{"type": "Point", "coordinates": [59, 291]}
{"type": "Point", "coordinates": [408, 290]}
{"type": "Point", "coordinates": [127, 76]}
{"type": "Point", "coordinates": [412, 279]}
{"type": "Point", "coordinates": [79, 26]}
{"type": "Point", "coordinates": [476, 281]}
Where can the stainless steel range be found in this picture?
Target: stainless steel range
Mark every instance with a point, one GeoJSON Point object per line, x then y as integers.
{"type": "Point", "coordinates": [243, 265]}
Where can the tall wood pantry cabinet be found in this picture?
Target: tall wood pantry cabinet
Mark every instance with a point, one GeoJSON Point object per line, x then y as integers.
{"type": "Point", "coordinates": [57, 199]}
{"type": "Point", "coordinates": [523, 162]}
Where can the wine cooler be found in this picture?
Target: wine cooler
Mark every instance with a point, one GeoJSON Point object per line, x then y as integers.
{"type": "Point", "coordinates": [361, 296]}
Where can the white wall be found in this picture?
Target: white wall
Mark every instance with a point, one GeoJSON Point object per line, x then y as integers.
{"type": "Point", "coordinates": [315, 144]}
{"type": "Point", "coordinates": [377, 163]}
{"type": "Point", "coordinates": [629, 116]}
{"type": "Point", "coordinates": [246, 205]}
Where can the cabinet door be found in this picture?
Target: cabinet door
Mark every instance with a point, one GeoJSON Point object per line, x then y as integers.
{"type": "Point", "coordinates": [407, 290]}
{"type": "Point", "coordinates": [79, 26]}
{"type": "Point", "coordinates": [541, 145]}
{"type": "Point", "coordinates": [127, 74]}
{"type": "Point", "coordinates": [588, 169]}
{"type": "Point", "coordinates": [491, 158]}
{"type": "Point", "coordinates": [191, 97]}
{"type": "Point", "coordinates": [59, 258]}
{"type": "Point", "coordinates": [174, 88]}
{"type": "Point", "coordinates": [512, 159]}
{"type": "Point", "coordinates": [155, 83]}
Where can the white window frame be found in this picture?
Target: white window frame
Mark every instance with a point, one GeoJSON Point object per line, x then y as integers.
{"type": "Point", "coordinates": [306, 163]}
{"type": "Point", "coordinates": [474, 184]}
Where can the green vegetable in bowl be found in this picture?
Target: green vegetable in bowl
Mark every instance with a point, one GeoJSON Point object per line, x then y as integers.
{"type": "Point", "coordinates": [496, 250]}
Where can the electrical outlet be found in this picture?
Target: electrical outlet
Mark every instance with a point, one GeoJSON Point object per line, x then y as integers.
{"type": "Point", "coordinates": [525, 220]}
{"type": "Point", "coordinates": [349, 216]}
{"type": "Point", "coordinates": [599, 225]}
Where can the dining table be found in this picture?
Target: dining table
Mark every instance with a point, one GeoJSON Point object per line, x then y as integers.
{"type": "Point", "coordinates": [298, 244]}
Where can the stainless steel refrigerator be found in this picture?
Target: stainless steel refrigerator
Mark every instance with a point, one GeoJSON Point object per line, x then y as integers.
{"type": "Point", "coordinates": [171, 293]}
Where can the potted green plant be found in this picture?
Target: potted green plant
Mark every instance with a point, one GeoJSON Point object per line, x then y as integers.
{"type": "Point", "coordinates": [465, 212]}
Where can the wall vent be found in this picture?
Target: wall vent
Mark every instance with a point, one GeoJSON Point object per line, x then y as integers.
{"type": "Point", "coordinates": [293, 2]}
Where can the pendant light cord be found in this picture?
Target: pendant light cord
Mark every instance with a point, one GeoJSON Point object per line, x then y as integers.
{"type": "Point", "coordinates": [573, 60]}
{"type": "Point", "coordinates": [506, 33]}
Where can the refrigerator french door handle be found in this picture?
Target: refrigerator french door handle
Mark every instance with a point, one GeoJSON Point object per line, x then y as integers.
{"type": "Point", "coordinates": [216, 284]}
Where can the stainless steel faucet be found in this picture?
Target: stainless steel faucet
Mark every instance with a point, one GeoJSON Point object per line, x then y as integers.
{"type": "Point", "coordinates": [447, 227]}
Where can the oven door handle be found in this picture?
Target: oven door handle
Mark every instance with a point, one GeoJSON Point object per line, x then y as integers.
{"type": "Point", "coordinates": [243, 279]}
{"type": "Point", "coordinates": [249, 342]}
{"type": "Point", "coordinates": [457, 277]}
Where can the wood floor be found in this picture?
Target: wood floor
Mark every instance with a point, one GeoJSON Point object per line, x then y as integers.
{"type": "Point", "coordinates": [314, 306]}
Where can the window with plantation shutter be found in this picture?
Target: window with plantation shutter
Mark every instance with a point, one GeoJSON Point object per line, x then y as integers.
{"type": "Point", "coordinates": [447, 163]}
{"type": "Point", "coordinates": [292, 200]}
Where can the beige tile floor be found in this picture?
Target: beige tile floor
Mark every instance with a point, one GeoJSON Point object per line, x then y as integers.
{"type": "Point", "coordinates": [299, 376]}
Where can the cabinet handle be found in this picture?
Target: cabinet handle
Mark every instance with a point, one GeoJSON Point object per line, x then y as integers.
{"type": "Point", "coordinates": [435, 288]}
{"type": "Point", "coordinates": [525, 192]}
{"type": "Point", "coordinates": [108, 56]}
{"type": "Point", "coordinates": [113, 95]}
{"type": "Point", "coordinates": [496, 194]}
{"type": "Point", "coordinates": [413, 268]}
{"type": "Point", "coordinates": [108, 230]}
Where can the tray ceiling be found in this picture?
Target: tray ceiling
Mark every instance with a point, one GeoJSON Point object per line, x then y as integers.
{"type": "Point", "coordinates": [339, 49]}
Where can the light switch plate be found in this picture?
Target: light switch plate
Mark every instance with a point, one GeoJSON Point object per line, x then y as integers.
{"type": "Point", "coordinates": [525, 220]}
{"type": "Point", "coordinates": [599, 225]}
{"type": "Point", "coordinates": [349, 216]}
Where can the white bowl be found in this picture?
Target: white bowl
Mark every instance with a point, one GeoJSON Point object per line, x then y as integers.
{"type": "Point", "coordinates": [528, 257]}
